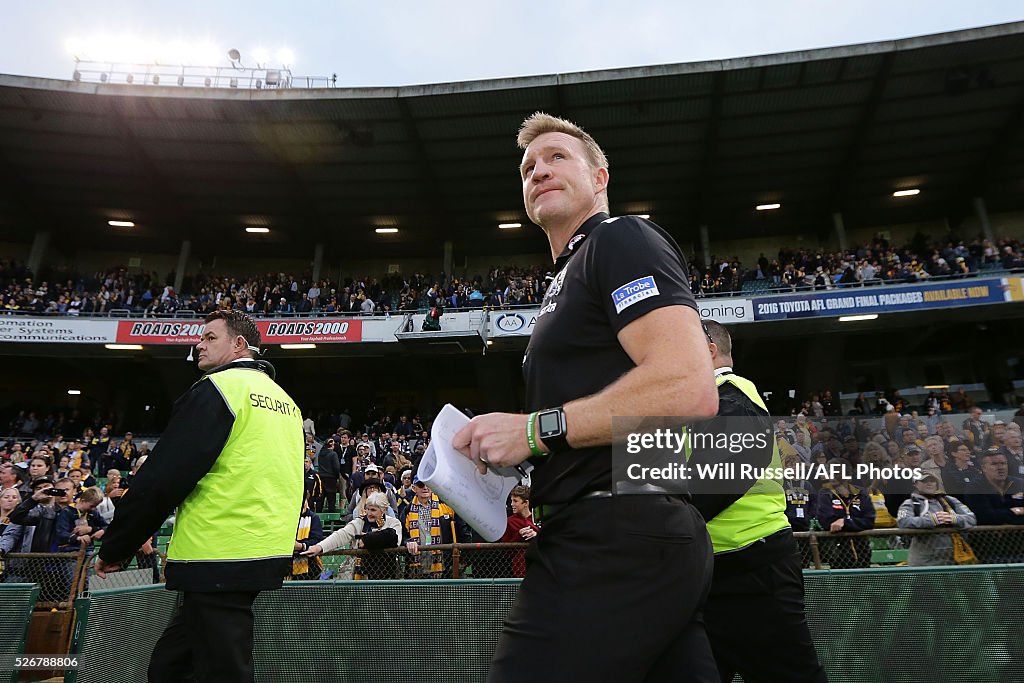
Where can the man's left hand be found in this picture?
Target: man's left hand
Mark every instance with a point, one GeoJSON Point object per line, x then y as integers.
{"type": "Point", "coordinates": [496, 438]}
{"type": "Point", "coordinates": [104, 568]}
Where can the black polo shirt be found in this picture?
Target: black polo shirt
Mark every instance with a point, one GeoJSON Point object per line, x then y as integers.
{"type": "Point", "coordinates": [612, 271]}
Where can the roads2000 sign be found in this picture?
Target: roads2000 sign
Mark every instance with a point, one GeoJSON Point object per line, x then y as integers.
{"type": "Point", "coordinates": [271, 331]}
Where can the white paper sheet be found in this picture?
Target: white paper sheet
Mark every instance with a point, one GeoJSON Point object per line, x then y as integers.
{"type": "Point", "coordinates": [479, 499]}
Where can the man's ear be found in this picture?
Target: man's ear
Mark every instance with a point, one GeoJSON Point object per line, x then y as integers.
{"type": "Point", "coordinates": [601, 178]}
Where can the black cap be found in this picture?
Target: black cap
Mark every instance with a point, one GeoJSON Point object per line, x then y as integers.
{"type": "Point", "coordinates": [45, 479]}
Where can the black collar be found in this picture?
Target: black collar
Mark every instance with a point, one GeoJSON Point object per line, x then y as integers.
{"type": "Point", "coordinates": [577, 239]}
{"type": "Point", "coordinates": [248, 364]}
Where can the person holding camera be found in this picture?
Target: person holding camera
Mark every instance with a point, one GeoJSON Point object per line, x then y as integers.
{"type": "Point", "coordinates": [30, 530]}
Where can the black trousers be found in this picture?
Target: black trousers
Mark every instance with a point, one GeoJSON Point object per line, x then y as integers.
{"type": "Point", "coordinates": [330, 497]}
{"type": "Point", "coordinates": [209, 640]}
{"type": "Point", "coordinates": [613, 591]}
{"type": "Point", "coordinates": [756, 621]}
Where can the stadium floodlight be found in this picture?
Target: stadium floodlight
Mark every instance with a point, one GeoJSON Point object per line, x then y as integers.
{"type": "Point", "coordinates": [509, 226]}
{"type": "Point", "coordinates": [856, 318]}
{"type": "Point", "coordinates": [906, 193]}
{"type": "Point", "coordinates": [935, 386]}
{"type": "Point", "coordinates": [257, 230]}
{"type": "Point", "coordinates": [234, 55]}
{"type": "Point", "coordinates": [74, 392]}
{"type": "Point", "coordinates": [290, 347]}
{"type": "Point", "coordinates": [121, 224]}
{"type": "Point", "coordinates": [644, 215]}
{"type": "Point", "coordinates": [123, 347]}
{"type": "Point", "coordinates": [767, 207]}
{"type": "Point", "coordinates": [386, 231]}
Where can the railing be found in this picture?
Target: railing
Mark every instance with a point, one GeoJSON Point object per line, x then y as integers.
{"type": "Point", "coordinates": [895, 547]}
{"type": "Point", "coordinates": [58, 575]}
{"type": "Point", "coordinates": [63, 576]}
{"type": "Point", "coordinates": [818, 549]}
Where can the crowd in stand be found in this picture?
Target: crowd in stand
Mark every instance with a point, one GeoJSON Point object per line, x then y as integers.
{"type": "Point", "coordinates": [969, 473]}
{"type": "Point", "coordinates": [870, 264]}
{"type": "Point", "coordinates": [822, 404]}
{"type": "Point", "coordinates": [364, 474]}
{"type": "Point", "coordinates": [63, 292]}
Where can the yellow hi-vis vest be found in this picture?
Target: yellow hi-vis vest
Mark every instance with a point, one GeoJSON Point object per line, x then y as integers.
{"type": "Point", "coordinates": [762, 510]}
{"type": "Point", "coordinates": [247, 506]}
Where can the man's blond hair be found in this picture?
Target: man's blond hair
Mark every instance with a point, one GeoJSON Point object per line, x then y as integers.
{"type": "Point", "coordinates": [539, 123]}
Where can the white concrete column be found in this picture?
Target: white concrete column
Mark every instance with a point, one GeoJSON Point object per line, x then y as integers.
{"type": "Point", "coordinates": [179, 273]}
{"type": "Point", "coordinates": [39, 245]}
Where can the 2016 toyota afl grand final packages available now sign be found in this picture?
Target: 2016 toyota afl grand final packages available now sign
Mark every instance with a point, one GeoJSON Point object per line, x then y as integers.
{"type": "Point", "coordinates": [271, 331]}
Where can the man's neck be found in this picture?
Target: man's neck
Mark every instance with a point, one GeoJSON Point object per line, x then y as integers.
{"type": "Point", "coordinates": [560, 234]}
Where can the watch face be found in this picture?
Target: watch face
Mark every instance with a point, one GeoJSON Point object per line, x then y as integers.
{"type": "Point", "coordinates": [549, 423]}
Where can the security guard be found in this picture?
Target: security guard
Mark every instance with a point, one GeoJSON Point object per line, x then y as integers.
{"type": "Point", "coordinates": [755, 612]}
{"type": "Point", "coordinates": [235, 526]}
{"type": "Point", "coordinates": [617, 334]}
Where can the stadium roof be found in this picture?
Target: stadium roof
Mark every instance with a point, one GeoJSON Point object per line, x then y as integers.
{"type": "Point", "coordinates": [690, 144]}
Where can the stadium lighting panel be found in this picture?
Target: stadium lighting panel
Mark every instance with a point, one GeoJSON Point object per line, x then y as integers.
{"type": "Point", "coordinates": [386, 231]}
{"type": "Point", "coordinates": [855, 318]}
{"type": "Point", "coordinates": [768, 207]}
{"type": "Point", "coordinates": [74, 392]}
{"type": "Point", "coordinates": [121, 224]}
{"type": "Point", "coordinates": [289, 347]}
{"type": "Point", "coordinates": [643, 215]}
{"type": "Point", "coordinates": [257, 230]}
{"type": "Point", "coordinates": [509, 226]}
{"type": "Point", "coordinates": [123, 347]}
{"type": "Point", "coordinates": [906, 193]}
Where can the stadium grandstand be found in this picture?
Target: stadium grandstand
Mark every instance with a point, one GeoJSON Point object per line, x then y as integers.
{"type": "Point", "coordinates": [854, 214]}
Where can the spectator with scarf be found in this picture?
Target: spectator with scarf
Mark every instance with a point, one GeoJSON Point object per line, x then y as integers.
{"type": "Point", "coordinates": [430, 522]}
{"type": "Point", "coordinates": [310, 531]}
{"type": "Point", "coordinates": [929, 508]}
{"type": "Point", "coordinates": [843, 506]}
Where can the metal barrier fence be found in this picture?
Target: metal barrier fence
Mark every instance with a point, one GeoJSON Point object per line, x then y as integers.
{"type": "Point", "coordinates": [16, 603]}
{"type": "Point", "coordinates": [909, 625]}
{"type": "Point", "coordinates": [920, 547]}
{"type": "Point", "coordinates": [439, 561]}
{"type": "Point", "coordinates": [818, 550]}
{"type": "Point", "coordinates": [56, 574]}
